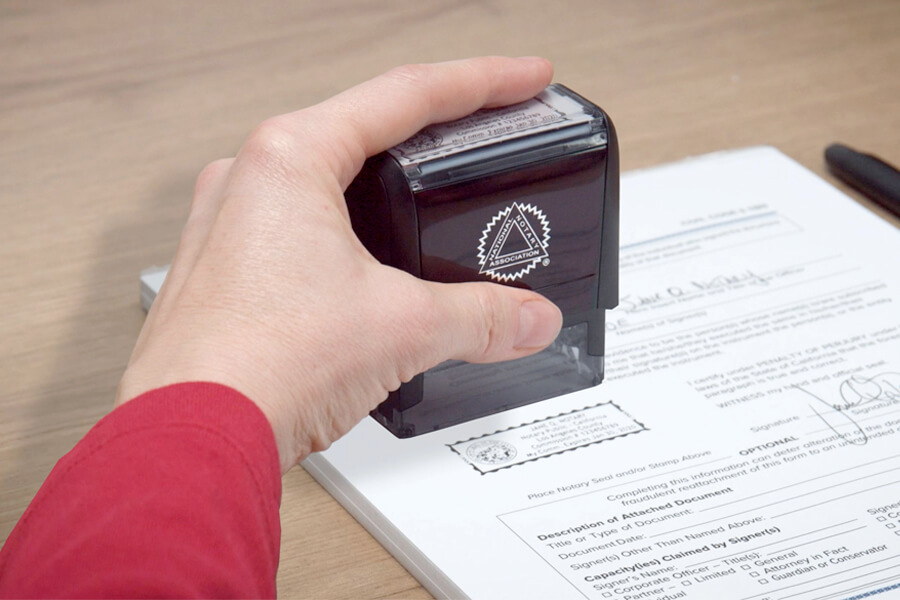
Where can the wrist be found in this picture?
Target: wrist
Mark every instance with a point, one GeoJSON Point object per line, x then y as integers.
{"type": "Point", "coordinates": [241, 371]}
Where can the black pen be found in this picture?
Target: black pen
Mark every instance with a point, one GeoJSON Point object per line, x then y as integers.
{"type": "Point", "coordinates": [878, 180]}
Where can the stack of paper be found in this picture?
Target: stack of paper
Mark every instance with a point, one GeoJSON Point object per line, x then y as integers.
{"type": "Point", "coordinates": [746, 443]}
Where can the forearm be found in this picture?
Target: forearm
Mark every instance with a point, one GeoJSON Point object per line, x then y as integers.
{"type": "Point", "coordinates": [173, 494]}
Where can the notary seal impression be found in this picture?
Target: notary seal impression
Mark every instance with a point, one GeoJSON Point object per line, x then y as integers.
{"type": "Point", "coordinates": [514, 242]}
{"type": "Point", "coordinates": [491, 452]}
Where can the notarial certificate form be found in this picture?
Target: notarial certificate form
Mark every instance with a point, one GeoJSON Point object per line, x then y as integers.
{"type": "Point", "coordinates": [745, 444]}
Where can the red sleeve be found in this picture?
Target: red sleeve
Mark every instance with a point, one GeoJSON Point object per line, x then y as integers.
{"type": "Point", "coordinates": [175, 493]}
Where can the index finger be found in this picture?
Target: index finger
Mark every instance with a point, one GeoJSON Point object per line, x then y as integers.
{"type": "Point", "coordinates": [384, 111]}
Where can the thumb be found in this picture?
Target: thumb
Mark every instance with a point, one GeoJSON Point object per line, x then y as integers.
{"type": "Point", "coordinates": [487, 322]}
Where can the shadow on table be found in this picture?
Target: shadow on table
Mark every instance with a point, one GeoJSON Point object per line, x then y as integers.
{"type": "Point", "coordinates": [92, 353]}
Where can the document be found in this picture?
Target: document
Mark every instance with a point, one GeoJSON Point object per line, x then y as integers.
{"type": "Point", "coordinates": [745, 444]}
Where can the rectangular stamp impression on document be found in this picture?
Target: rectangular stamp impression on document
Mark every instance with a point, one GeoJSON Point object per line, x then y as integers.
{"type": "Point", "coordinates": [546, 437]}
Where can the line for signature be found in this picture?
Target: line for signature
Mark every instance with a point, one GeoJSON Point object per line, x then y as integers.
{"type": "Point", "coordinates": [794, 537]}
{"type": "Point", "coordinates": [655, 262]}
{"type": "Point", "coordinates": [675, 234]}
{"type": "Point", "coordinates": [764, 292]}
{"type": "Point", "coordinates": [790, 512]}
{"type": "Point", "coordinates": [611, 349]}
{"type": "Point", "coordinates": [879, 416]}
{"type": "Point", "coordinates": [804, 482]}
{"type": "Point", "coordinates": [719, 519]}
{"type": "Point", "coordinates": [816, 540]}
{"type": "Point", "coordinates": [656, 300]}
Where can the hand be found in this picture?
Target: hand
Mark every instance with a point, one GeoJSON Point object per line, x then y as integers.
{"type": "Point", "coordinates": [271, 293]}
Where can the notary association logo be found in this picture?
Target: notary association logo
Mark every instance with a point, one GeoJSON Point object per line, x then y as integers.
{"type": "Point", "coordinates": [491, 452]}
{"type": "Point", "coordinates": [514, 242]}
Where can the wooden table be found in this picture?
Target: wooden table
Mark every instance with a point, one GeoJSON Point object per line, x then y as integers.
{"type": "Point", "coordinates": [109, 109]}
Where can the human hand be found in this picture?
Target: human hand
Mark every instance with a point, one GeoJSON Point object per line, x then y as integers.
{"type": "Point", "coordinates": [272, 294]}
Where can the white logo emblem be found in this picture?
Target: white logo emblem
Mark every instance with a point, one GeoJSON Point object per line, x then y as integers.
{"type": "Point", "coordinates": [514, 243]}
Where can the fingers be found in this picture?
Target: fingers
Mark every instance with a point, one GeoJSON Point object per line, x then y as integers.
{"type": "Point", "coordinates": [388, 109]}
{"type": "Point", "coordinates": [484, 322]}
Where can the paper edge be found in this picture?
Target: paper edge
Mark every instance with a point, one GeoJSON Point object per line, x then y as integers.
{"type": "Point", "coordinates": [381, 528]}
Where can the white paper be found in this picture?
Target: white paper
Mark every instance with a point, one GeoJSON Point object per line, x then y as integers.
{"type": "Point", "coordinates": [746, 443]}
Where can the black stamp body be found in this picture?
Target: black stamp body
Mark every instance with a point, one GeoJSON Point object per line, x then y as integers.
{"type": "Point", "coordinates": [526, 196]}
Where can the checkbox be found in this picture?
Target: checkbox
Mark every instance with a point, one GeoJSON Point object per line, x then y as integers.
{"type": "Point", "coordinates": [754, 574]}
{"type": "Point", "coordinates": [890, 525]}
{"type": "Point", "coordinates": [882, 518]}
{"type": "Point", "coordinates": [607, 594]}
{"type": "Point", "coordinates": [745, 567]}
{"type": "Point", "coordinates": [764, 581]}
{"type": "Point", "coordinates": [685, 582]}
{"type": "Point", "coordinates": [897, 532]}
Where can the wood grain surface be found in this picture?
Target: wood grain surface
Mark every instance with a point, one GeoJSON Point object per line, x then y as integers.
{"type": "Point", "coordinates": [109, 109]}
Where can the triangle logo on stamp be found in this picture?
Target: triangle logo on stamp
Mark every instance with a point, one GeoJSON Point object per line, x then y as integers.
{"type": "Point", "coordinates": [514, 242]}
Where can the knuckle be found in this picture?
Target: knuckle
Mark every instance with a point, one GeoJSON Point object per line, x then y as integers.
{"type": "Point", "coordinates": [271, 146]}
{"type": "Point", "coordinates": [410, 74]}
{"type": "Point", "coordinates": [203, 203]}
{"type": "Point", "coordinates": [210, 177]}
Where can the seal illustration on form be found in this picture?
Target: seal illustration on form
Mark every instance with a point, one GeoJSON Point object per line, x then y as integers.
{"type": "Point", "coordinates": [491, 452]}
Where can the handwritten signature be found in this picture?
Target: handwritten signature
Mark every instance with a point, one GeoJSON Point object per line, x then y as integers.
{"type": "Point", "coordinates": [700, 287]}
{"type": "Point", "coordinates": [854, 392]}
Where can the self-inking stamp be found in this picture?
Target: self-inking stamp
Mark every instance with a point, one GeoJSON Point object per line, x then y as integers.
{"type": "Point", "coordinates": [526, 196]}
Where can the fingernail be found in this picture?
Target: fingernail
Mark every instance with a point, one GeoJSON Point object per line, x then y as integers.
{"type": "Point", "coordinates": [539, 324]}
